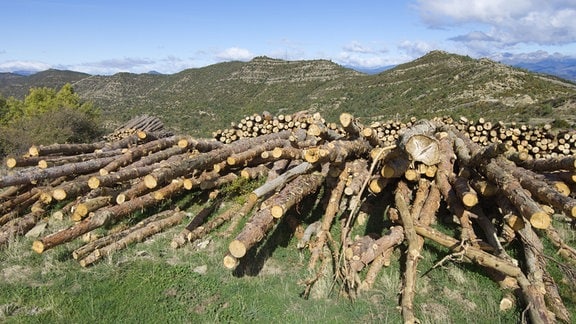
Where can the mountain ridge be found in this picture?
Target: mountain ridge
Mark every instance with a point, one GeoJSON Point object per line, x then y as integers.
{"type": "Point", "coordinates": [438, 83]}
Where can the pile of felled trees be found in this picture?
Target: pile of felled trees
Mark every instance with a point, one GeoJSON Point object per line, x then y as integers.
{"type": "Point", "coordinates": [496, 191]}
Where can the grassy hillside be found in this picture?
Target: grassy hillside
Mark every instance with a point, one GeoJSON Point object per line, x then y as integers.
{"type": "Point", "coordinates": [18, 86]}
{"type": "Point", "coordinates": [199, 100]}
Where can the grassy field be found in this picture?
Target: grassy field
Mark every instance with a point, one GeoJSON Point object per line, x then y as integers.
{"type": "Point", "coordinates": [152, 283]}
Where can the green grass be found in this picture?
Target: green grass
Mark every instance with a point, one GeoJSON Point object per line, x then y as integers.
{"type": "Point", "coordinates": [152, 283]}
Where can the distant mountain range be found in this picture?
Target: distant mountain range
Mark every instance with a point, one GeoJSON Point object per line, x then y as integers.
{"type": "Point", "coordinates": [202, 99]}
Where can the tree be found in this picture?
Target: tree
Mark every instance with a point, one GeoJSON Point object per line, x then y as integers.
{"type": "Point", "coordinates": [46, 116]}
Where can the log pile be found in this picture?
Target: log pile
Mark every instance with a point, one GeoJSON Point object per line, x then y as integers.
{"type": "Point", "coordinates": [492, 182]}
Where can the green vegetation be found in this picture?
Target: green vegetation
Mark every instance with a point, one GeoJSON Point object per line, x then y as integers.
{"type": "Point", "coordinates": [46, 116]}
{"type": "Point", "coordinates": [152, 283]}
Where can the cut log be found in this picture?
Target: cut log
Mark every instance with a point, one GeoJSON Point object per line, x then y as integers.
{"type": "Point", "coordinates": [419, 143]}
{"type": "Point", "coordinates": [280, 181]}
{"type": "Point", "coordinates": [517, 195]}
{"type": "Point", "coordinates": [540, 189]}
{"type": "Point", "coordinates": [253, 232]}
{"type": "Point", "coordinates": [90, 247]}
{"type": "Point", "coordinates": [37, 175]}
{"type": "Point", "coordinates": [294, 192]}
{"type": "Point", "coordinates": [82, 209]}
{"type": "Point", "coordinates": [332, 209]}
{"type": "Point", "coordinates": [134, 235]}
{"type": "Point", "coordinates": [102, 217]}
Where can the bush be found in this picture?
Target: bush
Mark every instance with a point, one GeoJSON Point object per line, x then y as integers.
{"type": "Point", "coordinates": [65, 125]}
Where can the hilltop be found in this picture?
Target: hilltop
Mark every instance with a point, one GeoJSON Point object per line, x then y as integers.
{"type": "Point", "coordinates": [199, 100]}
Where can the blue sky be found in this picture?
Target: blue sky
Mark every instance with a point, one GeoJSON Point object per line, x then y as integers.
{"type": "Point", "coordinates": [109, 36]}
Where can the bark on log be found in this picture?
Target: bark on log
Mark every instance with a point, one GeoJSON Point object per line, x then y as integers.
{"type": "Point", "coordinates": [253, 232]}
{"type": "Point", "coordinates": [541, 190]}
{"type": "Point", "coordinates": [337, 151]}
{"type": "Point", "coordinates": [19, 226]}
{"type": "Point", "coordinates": [134, 235]}
{"type": "Point", "coordinates": [65, 149]}
{"type": "Point", "coordinates": [402, 202]}
{"type": "Point", "coordinates": [90, 247]}
{"type": "Point", "coordinates": [280, 181]}
{"type": "Point", "coordinates": [137, 152]}
{"type": "Point", "coordinates": [567, 163]}
{"type": "Point", "coordinates": [517, 195]}
{"type": "Point", "coordinates": [102, 217]}
{"type": "Point", "coordinates": [82, 209]}
{"type": "Point", "coordinates": [332, 210]}
{"type": "Point", "coordinates": [37, 175]}
{"type": "Point", "coordinates": [295, 191]}
{"type": "Point", "coordinates": [206, 160]}
{"type": "Point", "coordinates": [539, 278]}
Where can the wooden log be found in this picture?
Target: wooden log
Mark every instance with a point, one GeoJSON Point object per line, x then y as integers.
{"type": "Point", "coordinates": [395, 166]}
{"type": "Point", "coordinates": [401, 199]}
{"type": "Point", "coordinates": [517, 195]}
{"type": "Point", "coordinates": [137, 152]}
{"type": "Point", "coordinates": [337, 151]}
{"type": "Point", "coordinates": [295, 191]}
{"type": "Point", "coordinates": [420, 144]}
{"type": "Point", "coordinates": [351, 126]}
{"type": "Point", "coordinates": [253, 232]}
{"type": "Point", "coordinates": [443, 175]}
{"type": "Point", "coordinates": [102, 217]}
{"type": "Point", "coordinates": [207, 160]}
{"type": "Point", "coordinates": [241, 158]}
{"type": "Point", "coordinates": [90, 247]}
{"type": "Point", "coordinates": [19, 226]}
{"type": "Point", "coordinates": [540, 189]}
{"type": "Point", "coordinates": [464, 191]}
{"type": "Point", "coordinates": [270, 186]}
{"type": "Point", "coordinates": [130, 172]}
{"type": "Point", "coordinates": [358, 174]}
{"type": "Point", "coordinates": [70, 189]}
{"type": "Point", "coordinates": [37, 175]}
{"type": "Point", "coordinates": [567, 163]}
{"type": "Point", "coordinates": [366, 248]}
{"type": "Point", "coordinates": [539, 278]}
{"type": "Point", "coordinates": [332, 209]}
{"type": "Point", "coordinates": [82, 209]}
{"type": "Point", "coordinates": [65, 149]}
{"type": "Point", "coordinates": [135, 235]}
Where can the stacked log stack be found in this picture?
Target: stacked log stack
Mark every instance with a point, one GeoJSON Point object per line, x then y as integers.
{"type": "Point", "coordinates": [499, 183]}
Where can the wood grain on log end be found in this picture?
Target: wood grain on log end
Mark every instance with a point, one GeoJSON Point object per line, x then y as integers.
{"type": "Point", "coordinates": [237, 249]}
{"type": "Point", "coordinates": [230, 262]}
{"type": "Point", "coordinates": [540, 220]}
{"type": "Point", "coordinates": [42, 164]}
{"type": "Point", "coordinates": [150, 181]}
{"type": "Point", "coordinates": [11, 162]}
{"type": "Point", "coordinates": [277, 211]}
{"type": "Point", "coordinates": [59, 194]}
{"type": "Point", "coordinates": [93, 182]}
{"type": "Point", "coordinates": [38, 247]}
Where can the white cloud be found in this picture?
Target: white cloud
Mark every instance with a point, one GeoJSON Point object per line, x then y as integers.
{"type": "Point", "coordinates": [415, 49]}
{"type": "Point", "coordinates": [11, 66]}
{"type": "Point", "coordinates": [361, 55]}
{"type": "Point", "coordinates": [234, 54]}
{"type": "Point", "coordinates": [510, 22]}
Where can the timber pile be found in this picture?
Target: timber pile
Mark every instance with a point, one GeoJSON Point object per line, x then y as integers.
{"type": "Point", "coordinates": [143, 124]}
{"type": "Point", "coordinates": [495, 190]}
